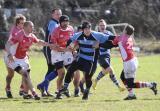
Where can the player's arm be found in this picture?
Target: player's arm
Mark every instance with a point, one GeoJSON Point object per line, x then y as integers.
{"type": "Point", "coordinates": [8, 45]}
{"type": "Point", "coordinates": [72, 43]}
{"type": "Point", "coordinates": [43, 43]}
{"type": "Point", "coordinates": [71, 46]}
{"type": "Point", "coordinates": [110, 43]}
{"type": "Point", "coordinates": [111, 37]}
{"type": "Point", "coordinates": [69, 42]}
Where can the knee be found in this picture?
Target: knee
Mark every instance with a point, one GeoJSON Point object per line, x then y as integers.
{"type": "Point", "coordinates": [109, 69]}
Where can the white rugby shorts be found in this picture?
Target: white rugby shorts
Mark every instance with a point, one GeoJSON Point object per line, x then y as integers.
{"type": "Point", "coordinates": [24, 63]}
{"type": "Point", "coordinates": [66, 57]}
{"type": "Point", "coordinates": [130, 68]}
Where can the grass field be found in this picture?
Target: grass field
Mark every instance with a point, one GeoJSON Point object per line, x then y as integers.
{"type": "Point", "coordinates": [105, 98]}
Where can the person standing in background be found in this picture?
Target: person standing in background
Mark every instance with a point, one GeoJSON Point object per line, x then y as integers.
{"type": "Point", "coordinates": [51, 72]}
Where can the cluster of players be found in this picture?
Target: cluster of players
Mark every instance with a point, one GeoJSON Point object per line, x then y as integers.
{"type": "Point", "coordinates": [67, 50]}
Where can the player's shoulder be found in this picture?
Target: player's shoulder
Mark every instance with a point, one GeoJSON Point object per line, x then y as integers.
{"type": "Point", "coordinates": [57, 29]}
{"type": "Point", "coordinates": [70, 27]}
{"type": "Point", "coordinates": [32, 35]}
{"type": "Point", "coordinates": [52, 22]}
{"type": "Point", "coordinates": [77, 33]}
{"type": "Point", "coordinates": [18, 36]}
{"type": "Point", "coordinates": [107, 32]}
{"type": "Point", "coordinates": [20, 33]}
{"type": "Point", "coordinates": [13, 29]}
{"type": "Point", "coordinates": [97, 34]}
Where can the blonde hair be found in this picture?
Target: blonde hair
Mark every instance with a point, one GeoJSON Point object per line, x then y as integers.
{"type": "Point", "coordinates": [18, 18]}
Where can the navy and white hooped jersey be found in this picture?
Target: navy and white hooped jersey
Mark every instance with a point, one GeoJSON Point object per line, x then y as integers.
{"type": "Point", "coordinates": [52, 24]}
{"type": "Point", "coordinates": [104, 51]}
{"type": "Point", "coordinates": [86, 50]}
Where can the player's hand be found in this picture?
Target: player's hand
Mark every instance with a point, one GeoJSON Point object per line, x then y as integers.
{"type": "Point", "coordinates": [10, 57]}
{"type": "Point", "coordinates": [74, 54]}
{"type": "Point", "coordinates": [70, 49]}
{"type": "Point", "coordinates": [53, 46]}
{"type": "Point", "coordinates": [96, 45]}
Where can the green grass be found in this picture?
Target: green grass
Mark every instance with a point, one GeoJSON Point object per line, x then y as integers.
{"type": "Point", "coordinates": [105, 98]}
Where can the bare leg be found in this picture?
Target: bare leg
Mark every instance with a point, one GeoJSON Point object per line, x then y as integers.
{"type": "Point", "coordinates": [27, 80]}
{"type": "Point", "coordinates": [9, 77]}
{"type": "Point", "coordinates": [76, 79]}
{"type": "Point", "coordinates": [60, 78]}
{"type": "Point", "coordinates": [76, 82]}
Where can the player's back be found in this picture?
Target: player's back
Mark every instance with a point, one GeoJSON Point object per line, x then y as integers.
{"type": "Point", "coordinates": [126, 47]}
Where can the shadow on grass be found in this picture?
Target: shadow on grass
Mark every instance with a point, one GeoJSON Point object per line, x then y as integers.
{"type": "Point", "coordinates": [150, 99]}
{"type": "Point", "coordinates": [49, 101]}
{"type": "Point", "coordinates": [52, 100]}
{"type": "Point", "coordinates": [2, 99]}
{"type": "Point", "coordinates": [42, 100]}
{"type": "Point", "coordinates": [109, 100]}
{"type": "Point", "coordinates": [28, 102]}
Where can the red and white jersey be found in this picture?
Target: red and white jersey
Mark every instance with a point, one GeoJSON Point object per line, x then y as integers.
{"type": "Point", "coordinates": [60, 36]}
{"type": "Point", "coordinates": [24, 43]}
{"type": "Point", "coordinates": [125, 44]}
{"type": "Point", "coordinates": [14, 30]}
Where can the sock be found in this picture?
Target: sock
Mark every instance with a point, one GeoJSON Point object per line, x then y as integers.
{"type": "Point", "coordinates": [131, 92]}
{"type": "Point", "coordinates": [34, 93]}
{"type": "Point", "coordinates": [76, 91]}
{"type": "Point", "coordinates": [143, 84]}
{"type": "Point", "coordinates": [86, 90]}
{"type": "Point", "coordinates": [81, 86]}
{"type": "Point", "coordinates": [49, 78]}
{"type": "Point", "coordinates": [66, 85]}
{"type": "Point", "coordinates": [114, 80]}
{"type": "Point", "coordinates": [100, 75]}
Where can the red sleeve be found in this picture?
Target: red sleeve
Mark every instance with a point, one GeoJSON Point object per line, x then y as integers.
{"type": "Point", "coordinates": [34, 39]}
{"type": "Point", "coordinates": [116, 40]}
{"type": "Point", "coordinates": [55, 35]}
